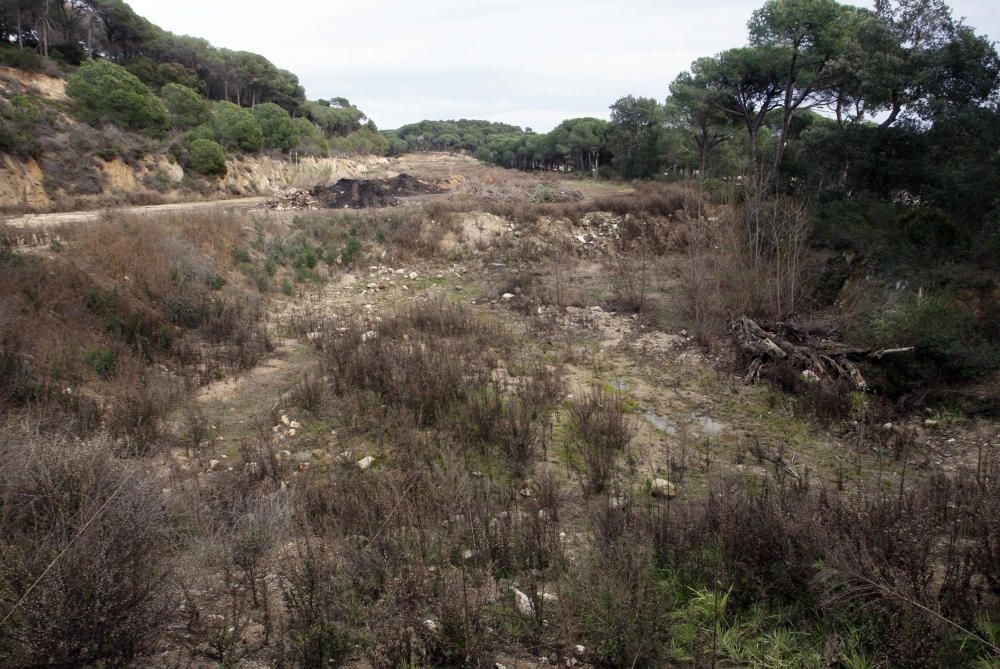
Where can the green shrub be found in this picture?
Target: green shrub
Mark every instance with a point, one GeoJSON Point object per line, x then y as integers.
{"type": "Point", "coordinates": [215, 281]}
{"type": "Point", "coordinates": [237, 129]}
{"type": "Point", "coordinates": [350, 251]}
{"type": "Point", "coordinates": [22, 59]}
{"type": "Point", "coordinates": [105, 92]}
{"type": "Point", "coordinates": [241, 255]}
{"type": "Point", "coordinates": [941, 329]}
{"type": "Point", "coordinates": [207, 157]}
{"type": "Point", "coordinates": [204, 131]}
{"type": "Point", "coordinates": [928, 227]}
{"type": "Point", "coordinates": [70, 54]}
{"type": "Point", "coordinates": [102, 361]}
{"type": "Point", "coordinates": [19, 118]}
{"type": "Point", "coordinates": [187, 108]}
{"type": "Point", "coordinates": [280, 132]}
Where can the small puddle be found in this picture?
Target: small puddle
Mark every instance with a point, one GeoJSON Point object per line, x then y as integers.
{"type": "Point", "coordinates": [660, 423]}
{"type": "Point", "coordinates": [709, 426]}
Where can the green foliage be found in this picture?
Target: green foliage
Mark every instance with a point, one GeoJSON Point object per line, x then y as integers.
{"type": "Point", "coordinates": [200, 132]}
{"type": "Point", "coordinates": [237, 129]}
{"type": "Point", "coordinates": [350, 251]}
{"type": "Point", "coordinates": [280, 132]}
{"type": "Point", "coordinates": [361, 141]}
{"type": "Point", "coordinates": [107, 93]}
{"type": "Point", "coordinates": [215, 281]}
{"type": "Point", "coordinates": [941, 328]}
{"type": "Point", "coordinates": [102, 361]}
{"type": "Point", "coordinates": [463, 135]}
{"type": "Point", "coordinates": [311, 140]}
{"type": "Point", "coordinates": [207, 157]}
{"type": "Point", "coordinates": [19, 119]}
{"type": "Point", "coordinates": [187, 109]}
{"type": "Point", "coordinates": [928, 227]}
{"type": "Point", "coordinates": [157, 75]}
{"type": "Point", "coordinates": [634, 136]}
{"type": "Point", "coordinates": [22, 59]}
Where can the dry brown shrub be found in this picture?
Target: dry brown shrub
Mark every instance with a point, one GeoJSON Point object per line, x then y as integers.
{"type": "Point", "coordinates": [106, 598]}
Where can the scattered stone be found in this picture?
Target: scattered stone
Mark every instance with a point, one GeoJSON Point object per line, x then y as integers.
{"type": "Point", "coordinates": [366, 336]}
{"type": "Point", "coordinates": [507, 297]}
{"type": "Point", "coordinates": [365, 462]}
{"type": "Point", "coordinates": [213, 465]}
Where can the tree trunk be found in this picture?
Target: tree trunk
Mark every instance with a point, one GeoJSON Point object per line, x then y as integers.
{"type": "Point", "coordinates": [45, 30]}
{"type": "Point", "coordinates": [20, 29]}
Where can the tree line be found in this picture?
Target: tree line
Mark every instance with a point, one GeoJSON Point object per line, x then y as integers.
{"type": "Point", "coordinates": [124, 70]}
{"type": "Point", "coordinates": [898, 99]}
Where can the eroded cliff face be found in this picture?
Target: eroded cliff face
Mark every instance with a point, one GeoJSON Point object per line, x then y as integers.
{"type": "Point", "coordinates": [22, 185]}
{"type": "Point", "coordinates": [262, 174]}
{"type": "Point", "coordinates": [25, 186]}
{"type": "Point", "coordinates": [68, 172]}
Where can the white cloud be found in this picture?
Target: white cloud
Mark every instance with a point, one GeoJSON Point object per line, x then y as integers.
{"type": "Point", "coordinates": [529, 62]}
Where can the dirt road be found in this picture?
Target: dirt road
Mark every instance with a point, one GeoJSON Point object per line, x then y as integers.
{"type": "Point", "coordinates": [41, 221]}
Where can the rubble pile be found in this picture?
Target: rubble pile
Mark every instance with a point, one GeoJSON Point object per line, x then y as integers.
{"type": "Point", "coordinates": [362, 193]}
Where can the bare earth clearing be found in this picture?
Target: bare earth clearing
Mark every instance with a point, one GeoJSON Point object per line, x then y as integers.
{"type": "Point", "coordinates": [541, 298]}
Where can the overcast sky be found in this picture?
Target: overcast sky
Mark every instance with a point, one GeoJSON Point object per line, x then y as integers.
{"type": "Point", "coordinates": [527, 62]}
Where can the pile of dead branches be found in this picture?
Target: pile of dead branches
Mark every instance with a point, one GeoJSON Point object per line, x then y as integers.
{"type": "Point", "coordinates": [810, 349]}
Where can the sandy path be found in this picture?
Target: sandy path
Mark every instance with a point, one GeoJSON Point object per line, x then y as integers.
{"type": "Point", "coordinates": [36, 221]}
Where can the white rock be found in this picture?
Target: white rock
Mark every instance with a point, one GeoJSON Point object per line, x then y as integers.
{"type": "Point", "coordinates": [285, 420]}
{"type": "Point", "coordinates": [431, 625]}
{"type": "Point", "coordinates": [580, 650]}
{"type": "Point", "coordinates": [523, 603]}
{"type": "Point", "coordinates": [413, 276]}
{"type": "Point", "coordinates": [371, 334]}
{"type": "Point", "coordinates": [365, 462]}
{"type": "Point", "coordinates": [507, 297]}
{"type": "Point", "coordinates": [295, 425]}
{"type": "Point", "coordinates": [662, 488]}
{"type": "Point", "coordinates": [213, 465]}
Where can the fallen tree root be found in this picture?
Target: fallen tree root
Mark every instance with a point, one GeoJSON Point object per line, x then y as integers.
{"type": "Point", "coordinates": [814, 352]}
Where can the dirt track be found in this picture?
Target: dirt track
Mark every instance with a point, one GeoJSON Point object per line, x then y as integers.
{"type": "Point", "coordinates": [35, 221]}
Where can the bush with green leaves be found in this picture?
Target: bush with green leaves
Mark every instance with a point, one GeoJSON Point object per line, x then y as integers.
{"type": "Point", "coordinates": [927, 227]}
{"type": "Point", "coordinates": [237, 129]}
{"type": "Point", "coordinates": [19, 118]}
{"type": "Point", "coordinates": [280, 132]}
{"type": "Point", "coordinates": [311, 140]}
{"type": "Point", "coordinates": [207, 157]}
{"type": "Point", "coordinates": [187, 108]}
{"type": "Point", "coordinates": [107, 93]}
{"type": "Point", "coordinates": [941, 329]}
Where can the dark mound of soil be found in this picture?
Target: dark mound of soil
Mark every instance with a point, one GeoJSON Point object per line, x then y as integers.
{"type": "Point", "coordinates": [360, 193]}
